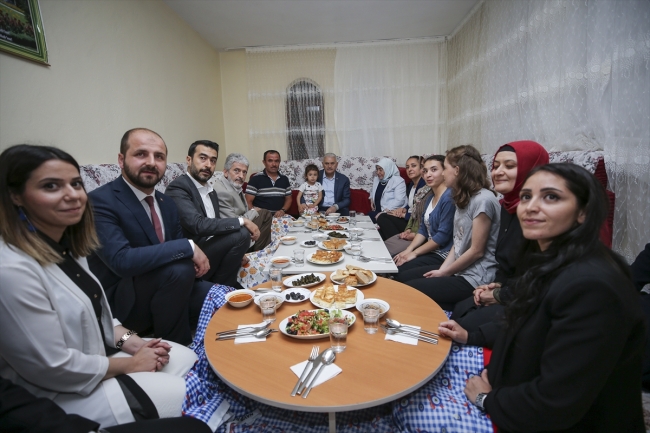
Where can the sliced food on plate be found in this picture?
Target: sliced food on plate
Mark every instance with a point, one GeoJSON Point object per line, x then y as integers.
{"type": "Point", "coordinates": [330, 296]}
{"type": "Point", "coordinates": [353, 276]}
{"type": "Point", "coordinates": [334, 244]}
{"type": "Point", "coordinates": [323, 257]}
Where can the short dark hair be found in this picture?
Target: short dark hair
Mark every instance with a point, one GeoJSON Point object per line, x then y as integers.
{"type": "Point", "coordinates": [208, 143]}
{"type": "Point", "coordinates": [439, 158]}
{"type": "Point", "coordinates": [310, 167]}
{"type": "Point", "coordinates": [124, 143]}
{"type": "Point", "coordinates": [271, 151]}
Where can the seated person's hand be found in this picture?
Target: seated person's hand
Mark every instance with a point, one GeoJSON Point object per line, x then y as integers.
{"type": "Point", "coordinates": [279, 214]}
{"type": "Point", "coordinates": [201, 262]}
{"type": "Point", "coordinates": [252, 228]}
{"type": "Point", "coordinates": [245, 260]}
{"type": "Point", "coordinates": [476, 385]}
{"type": "Point", "coordinates": [484, 295]}
{"type": "Point", "coordinates": [311, 206]}
{"type": "Point", "coordinates": [403, 257]}
{"type": "Point", "coordinates": [405, 234]}
{"type": "Point", "coordinates": [453, 330]}
{"type": "Point", "coordinates": [435, 273]}
{"type": "Point", "coordinates": [330, 210]}
{"type": "Point", "coordinates": [301, 207]}
{"type": "Point", "coordinates": [150, 357]}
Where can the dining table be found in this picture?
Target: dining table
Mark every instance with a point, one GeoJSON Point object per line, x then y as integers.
{"type": "Point", "coordinates": [371, 243]}
{"type": "Point", "coordinates": [374, 370]}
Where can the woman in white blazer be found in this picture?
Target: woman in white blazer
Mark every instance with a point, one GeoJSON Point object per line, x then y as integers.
{"type": "Point", "coordinates": [55, 320]}
{"type": "Point", "coordinates": [388, 189]}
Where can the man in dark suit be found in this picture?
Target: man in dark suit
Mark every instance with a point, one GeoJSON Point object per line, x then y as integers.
{"type": "Point", "coordinates": [224, 240]}
{"type": "Point", "coordinates": [336, 188]}
{"type": "Point", "coordinates": [146, 265]}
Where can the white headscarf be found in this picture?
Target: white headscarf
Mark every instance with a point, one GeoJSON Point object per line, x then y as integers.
{"type": "Point", "coordinates": [390, 169]}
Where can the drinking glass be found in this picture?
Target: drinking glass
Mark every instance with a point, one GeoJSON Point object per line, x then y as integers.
{"type": "Point", "coordinates": [338, 334]}
{"type": "Point", "coordinates": [353, 218]}
{"type": "Point", "coordinates": [355, 248]}
{"type": "Point", "coordinates": [371, 320]}
{"type": "Point", "coordinates": [267, 304]}
{"type": "Point", "coordinates": [299, 257]}
{"type": "Point", "coordinates": [275, 275]}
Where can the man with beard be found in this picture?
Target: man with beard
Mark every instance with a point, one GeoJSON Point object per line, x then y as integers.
{"type": "Point", "coordinates": [224, 240]}
{"type": "Point", "coordinates": [147, 267]}
{"type": "Point", "coordinates": [232, 203]}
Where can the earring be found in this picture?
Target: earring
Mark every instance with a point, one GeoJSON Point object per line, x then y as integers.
{"type": "Point", "coordinates": [23, 217]}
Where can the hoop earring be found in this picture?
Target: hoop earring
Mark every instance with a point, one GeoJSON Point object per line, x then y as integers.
{"type": "Point", "coordinates": [23, 217]}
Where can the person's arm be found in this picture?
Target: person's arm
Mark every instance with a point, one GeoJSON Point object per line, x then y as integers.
{"type": "Point", "coordinates": [480, 233]}
{"type": "Point", "coordinates": [344, 201]}
{"type": "Point", "coordinates": [250, 193]}
{"type": "Point", "coordinates": [319, 199]}
{"type": "Point", "coordinates": [285, 207]}
{"type": "Point", "coordinates": [408, 254]}
{"type": "Point", "coordinates": [301, 205]}
{"type": "Point", "coordinates": [397, 198]}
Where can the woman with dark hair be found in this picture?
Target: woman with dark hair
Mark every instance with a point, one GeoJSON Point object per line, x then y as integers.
{"type": "Point", "coordinates": [431, 245]}
{"type": "Point", "coordinates": [470, 262]}
{"type": "Point", "coordinates": [511, 165]}
{"type": "Point", "coordinates": [570, 356]}
{"type": "Point", "coordinates": [388, 189]}
{"type": "Point", "coordinates": [395, 222]}
{"type": "Point", "coordinates": [57, 325]}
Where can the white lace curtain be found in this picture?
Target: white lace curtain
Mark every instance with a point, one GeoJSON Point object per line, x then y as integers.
{"type": "Point", "coordinates": [569, 74]}
{"type": "Point", "coordinates": [390, 98]}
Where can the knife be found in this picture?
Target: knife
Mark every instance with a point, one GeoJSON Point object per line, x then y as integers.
{"type": "Point", "coordinates": [302, 376]}
{"type": "Point", "coordinates": [317, 363]}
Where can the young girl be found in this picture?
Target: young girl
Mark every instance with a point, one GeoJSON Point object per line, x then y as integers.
{"type": "Point", "coordinates": [311, 192]}
{"type": "Point", "coordinates": [471, 261]}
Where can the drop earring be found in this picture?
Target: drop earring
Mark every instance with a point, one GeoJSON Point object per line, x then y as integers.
{"type": "Point", "coordinates": [23, 217]}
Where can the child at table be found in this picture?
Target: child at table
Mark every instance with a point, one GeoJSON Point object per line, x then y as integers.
{"type": "Point", "coordinates": [311, 191]}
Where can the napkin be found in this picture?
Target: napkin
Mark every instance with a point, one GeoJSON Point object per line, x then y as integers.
{"type": "Point", "coordinates": [403, 338]}
{"type": "Point", "coordinates": [328, 372]}
{"type": "Point", "coordinates": [249, 339]}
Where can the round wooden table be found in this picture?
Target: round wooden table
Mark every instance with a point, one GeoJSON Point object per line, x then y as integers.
{"type": "Point", "coordinates": [375, 371]}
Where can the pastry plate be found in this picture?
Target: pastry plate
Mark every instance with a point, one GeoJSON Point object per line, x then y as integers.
{"type": "Point", "coordinates": [322, 246]}
{"type": "Point", "coordinates": [325, 264]}
{"type": "Point", "coordinates": [283, 327]}
{"type": "Point", "coordinates": [374, 278]}
{"type": "Point", "coordinates": [287, 281]}
{"type": "Point", "coordinates": [360, 297]}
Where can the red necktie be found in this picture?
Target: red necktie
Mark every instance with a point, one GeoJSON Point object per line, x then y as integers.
{"type": "Point", "coordinates": [154, 218]}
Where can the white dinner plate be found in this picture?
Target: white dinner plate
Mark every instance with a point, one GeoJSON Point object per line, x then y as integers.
{"type": "Point", "coordinates": [360, 297]}
{"type": "Point", "coordinates": [347, 235]}
{"type": "Point", "coordinates": [325, 229]}
{"type": "Point", "coordinates": [322, 246]}
{"type": "Point", "coordinates": [283, 327]}
{"type": "Point", "coordinates": [305, 245]}
{"type": "Point", "coordinates": [374, 278]}
{"type": "Point", "coordinates": [325, 264]}
{"type": "Point", "coordinates": [300, 290]}
{"type": "Point", "coordinates": [288, 281]}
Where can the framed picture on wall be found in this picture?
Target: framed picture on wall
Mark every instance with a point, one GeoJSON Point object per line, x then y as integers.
{"type": "Point", "coordinates": [21, 30]}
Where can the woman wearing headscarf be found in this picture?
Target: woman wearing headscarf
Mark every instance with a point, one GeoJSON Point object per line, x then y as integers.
{"type": "Point", "coordinates": [388, 189]}
{"type": "Point", "coordinates": [511, 165]}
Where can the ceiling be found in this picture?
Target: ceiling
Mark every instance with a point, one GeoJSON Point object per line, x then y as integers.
{"type": "Point", "coordinates": [231, 24]}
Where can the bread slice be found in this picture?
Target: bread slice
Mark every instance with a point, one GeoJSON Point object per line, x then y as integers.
{"type": "Point", "coordinates": [364, 276]}
{"type": "Point", "coordinates": [351, 280]}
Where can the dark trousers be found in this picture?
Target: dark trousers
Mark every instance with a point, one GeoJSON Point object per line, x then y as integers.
{"type": "Point", "coordinates": [263, 221]}
{"type": "Point", "coordinates": [165, 299]}
{"type": "Point", "coordinates": [166, 425]}
{"type": "Point", "coordinates": [390, 225]}
{"type": "Point", "coordinates": [471, 316]}
{"type": "Point", "coordinates": [225, 253]}
{"type": "Point", "coordinates": [419, 266]}
{"type": "Point", "coordinates": [445, 291]}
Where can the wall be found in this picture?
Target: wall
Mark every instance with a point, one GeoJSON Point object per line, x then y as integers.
{"type": "Point", "coordinates": [115, 65]}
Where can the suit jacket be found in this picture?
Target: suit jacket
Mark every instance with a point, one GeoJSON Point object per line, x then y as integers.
{"type": "Point", "coordinates": [230, 203]}
{"type": "Point", "coordinates": [341, 192]}
{"type": "Point", "coordinates": [129, 245]}
{"type": "Point", "coordinates": [194, 220]}
{"type": "Point", "coordinates": [53, 346]}
{"type": "Point", "coordinates": [574, 364]}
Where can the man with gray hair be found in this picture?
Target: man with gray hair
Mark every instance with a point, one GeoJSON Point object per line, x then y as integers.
{"type": "Point", "coordinates": [232, 203]}
{"type": "Point", "coordinates": [336, 187]}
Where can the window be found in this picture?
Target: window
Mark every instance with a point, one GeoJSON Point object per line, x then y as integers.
{"type": "Point", "coordinates": [305, 120]}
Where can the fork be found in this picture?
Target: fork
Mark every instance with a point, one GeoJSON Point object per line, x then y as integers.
{"type": "Point", "coordinates": [314, 354]}
{"type": "Point", "coordinates": [375, 259]}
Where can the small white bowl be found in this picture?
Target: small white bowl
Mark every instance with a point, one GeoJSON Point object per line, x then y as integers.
{"type": "Point", "coordinates": [281, 261]}
{"type": "Point", "coordinates": [239, 292]}
{"type": "Point", "coordinates": [289, 240]}
{"type": "Point", "coordinates": [383, 305]}
{"type": "Point", "coordinates": [298, 223]}
{"type": "Point", "coordinates": [279, 299]}
{"type": "Point", "coordinates": [319, 237]}
{"type": "Point", "coordinates": [334, 215]}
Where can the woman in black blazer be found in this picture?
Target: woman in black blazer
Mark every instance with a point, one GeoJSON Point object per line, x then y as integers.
{"type": "Point", "coordinates": [569, 356]}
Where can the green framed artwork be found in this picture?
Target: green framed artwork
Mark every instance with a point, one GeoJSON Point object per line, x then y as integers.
{"type": "Point", "coordinates": [21, 30]}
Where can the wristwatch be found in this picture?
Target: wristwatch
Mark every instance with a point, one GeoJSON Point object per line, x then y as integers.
{"type": "Point", "coordinates": [480, 398]}
{"type": "Point", "coordinates": [283, 210]}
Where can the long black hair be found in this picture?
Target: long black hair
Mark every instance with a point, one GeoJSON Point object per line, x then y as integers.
{"type": "Point", "coordinates": [538, 268]}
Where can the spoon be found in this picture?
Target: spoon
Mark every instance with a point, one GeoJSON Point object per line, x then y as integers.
{"type": "Point", "coordinates": [395, 324]}
{"type": "Point", "coordinates": [328, 357]}
{"type": "Point", "coordinates": [246, 330]}
{"type": "Point", "coordinates": [393, 331]}
{"type": "Point", "coordinates": [259, 334]}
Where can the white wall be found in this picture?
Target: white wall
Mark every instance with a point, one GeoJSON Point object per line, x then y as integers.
{"type": "Point", "coordinates": [115, 65]}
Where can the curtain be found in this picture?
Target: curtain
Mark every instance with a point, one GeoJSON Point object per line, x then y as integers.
{"type": "Point", "coordinates": [391, 98]}
{"type": "Point", "coordinates": [305, 120]}
{"type": "Point", "coordinates": [572, 75]}
{"type": "Point", "coordinates": [270, 75]}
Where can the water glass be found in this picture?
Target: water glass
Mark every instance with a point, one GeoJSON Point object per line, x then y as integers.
{"type": "Point", "coordinates": [275, 276]}
{"type": "Point", "coordinates": [370, 320]}
{"type": "Point", "coordinates": [267, 304]}
{"type": "Point", "coordinates": [299, 257]}
{"type": "Point", "coordinates": [338, 334]}
{"type": "Point", "coordinates": [355, 248]}
{"type": "Point", "coordinates": [353, 218]}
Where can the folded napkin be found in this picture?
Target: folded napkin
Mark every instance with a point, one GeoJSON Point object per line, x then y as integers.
{"type": "Point", "coordinates": [328, 372]}
{"type": "Point", "coordinates": [249, 338]}
{"type": "Point", "coordinates": [404, 338]}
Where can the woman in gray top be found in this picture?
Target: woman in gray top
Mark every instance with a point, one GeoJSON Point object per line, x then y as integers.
{"type": "Point", "coordinates": [471, 261]}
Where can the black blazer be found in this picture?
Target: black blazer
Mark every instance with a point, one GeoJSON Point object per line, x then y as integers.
{"type": "Point", "coordinates": [574, 365]}
{"type": "Point", "coordinates": [194, 220]}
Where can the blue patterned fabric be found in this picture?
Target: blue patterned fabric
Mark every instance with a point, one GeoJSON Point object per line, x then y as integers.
{"type": "Point", "coordinates": [439, 406]}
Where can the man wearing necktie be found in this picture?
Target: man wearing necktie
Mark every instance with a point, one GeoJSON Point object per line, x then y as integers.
{"type": "Point", "coordinates": [147, 267]}
{"type": "Point", "coordinates": [232, 203]}
{"type": "Point", "coordinates": [224, 240]}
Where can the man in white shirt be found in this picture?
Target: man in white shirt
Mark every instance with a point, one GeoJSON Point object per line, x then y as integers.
{"type": "Point", "coordinates": [224, 240]}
